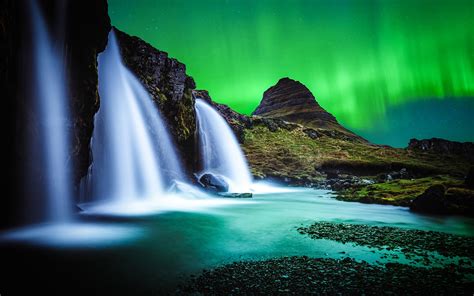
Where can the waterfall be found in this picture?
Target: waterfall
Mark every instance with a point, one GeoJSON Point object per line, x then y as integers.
{"type": "Point", "coordinates": [220, 152]}
{"type": "Point", "coordinates": [50, 174]}
{"type": "Point", "coordinates": [132, 154]}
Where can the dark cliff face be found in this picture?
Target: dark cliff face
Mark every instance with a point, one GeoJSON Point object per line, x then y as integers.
{"type": "Point", "coordinates": [290, 100]}
{"type": "Point", "coordinates": [87, 28]}
{"type": "Point", "coordinates": [444, 147]}
{"type": "Point", "coordinates": [81, 28]}
{"type": "Point", "coordinates": [169, 86]}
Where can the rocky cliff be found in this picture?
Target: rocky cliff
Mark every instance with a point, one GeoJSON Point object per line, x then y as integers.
{"type": "Point", "coordinates": [444, 147]}
{"type": "Point", "coordinates": [292, 101]}
{"type": "Point", "coordinates": [83, 26]}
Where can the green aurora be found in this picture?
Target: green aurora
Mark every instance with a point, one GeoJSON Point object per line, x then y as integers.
{"type": "Point", "coordinates": [359, 58]}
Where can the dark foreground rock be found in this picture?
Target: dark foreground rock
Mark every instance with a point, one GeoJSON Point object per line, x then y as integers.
{"type": "Point", "coordinates": [430, 201]}
{"type": "Point", "coordinates": [437, 200]}
{"type": "Point", "coordinates": [318, 276]}
{"type": "Point", "coordinates": [213, 183]}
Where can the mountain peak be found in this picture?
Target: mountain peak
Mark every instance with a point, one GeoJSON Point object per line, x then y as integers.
{"type": "Point", "coordinates": [292, 101]}
{"type": "Point", "coordinates": [287, 93]}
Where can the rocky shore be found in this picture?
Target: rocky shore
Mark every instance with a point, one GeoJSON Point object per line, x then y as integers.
{"type": "Point", "coordinates": [437, 264]}
{"type": "Point", "coordinates": [318, 276]}
{"type": "Point", "coordinates": [410, 242]}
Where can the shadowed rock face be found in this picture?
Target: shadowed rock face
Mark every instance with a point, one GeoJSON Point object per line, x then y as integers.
{"type": "Point", "coordinates": [82, 26]}
{"type": "Point", "coordinates": [441, 146]}
{"type": "Point", "coordinates": [290, 100]}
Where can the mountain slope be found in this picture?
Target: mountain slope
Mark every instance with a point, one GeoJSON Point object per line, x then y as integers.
{"type": "Point", "coordinates": [292, 101]}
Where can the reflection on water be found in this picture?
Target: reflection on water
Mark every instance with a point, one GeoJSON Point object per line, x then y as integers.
{"type": "Point", "coordinates": [155, 252]}
{"type": "Point", "coordinates": [74, 235]}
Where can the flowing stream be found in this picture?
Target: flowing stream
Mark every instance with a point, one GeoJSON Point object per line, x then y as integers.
{"type": "Point", "coordinates": [157, 252]}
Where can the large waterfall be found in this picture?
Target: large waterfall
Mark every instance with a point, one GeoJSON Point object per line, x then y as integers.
{"type": "Point", "coordinates": [50, 173]}
{"type": "Point", "coordinates": [220, 152]}
{"type": "Point", "coordinates": [132, 154]}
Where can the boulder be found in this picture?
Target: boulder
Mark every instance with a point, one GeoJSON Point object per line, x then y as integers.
{"type": "Point", "coordinates": [439, 200]}
{"type": "Point", "coordinates": [313, 134]}
{"type": "Point", "coordinates": [214, 183]}
{"type": "Point", "coordinates": [469, 181]}
{"type": "Point", "coordinates": [430, 201]}
{"type": "Point", "coordinates": [332, 175]}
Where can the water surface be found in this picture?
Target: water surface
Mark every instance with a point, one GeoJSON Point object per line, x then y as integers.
{"type": "Point", "coordinates": [158, 251]}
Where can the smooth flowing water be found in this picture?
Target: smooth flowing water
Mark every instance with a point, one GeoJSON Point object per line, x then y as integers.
{"type": "Point", "coordinates": [133, 155]}
{"type": "Point", "coordinates": [220, 152]}
{"type": "Point", "coordinates": [169, 247]}
{"type": "Point", "coordinates": [49, 163]}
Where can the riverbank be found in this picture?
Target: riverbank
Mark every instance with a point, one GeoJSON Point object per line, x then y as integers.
{"type": "Point", "coordinates": [417, 246]}
{"type": "Point", "coordinates": [317, 276]}
{"type": "Point", "coordinates": [419, 263]}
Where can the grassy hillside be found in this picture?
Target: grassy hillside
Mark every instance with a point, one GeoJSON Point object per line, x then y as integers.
{"type": "Point", "coordinates": [292, 153]}
{"type": "Point", "coordinates": [302, 156]}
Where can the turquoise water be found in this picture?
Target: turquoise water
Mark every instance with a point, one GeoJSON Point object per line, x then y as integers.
{"type": "Point", "coordinates": [156, 252]}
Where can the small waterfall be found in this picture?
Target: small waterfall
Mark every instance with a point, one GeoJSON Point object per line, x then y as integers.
{"type": "Point", "coordinates": [220, 151]}
{"type": "Point", "coordinates": [132, 154]}
{"type": "Point", "coordinates": [50, 145]}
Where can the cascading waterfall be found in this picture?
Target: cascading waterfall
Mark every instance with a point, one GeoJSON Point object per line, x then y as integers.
{"type": "Point", "coordinates": [132, 154]}
{"type": "Point", "coordinates": [49, 147]}
{"type": "Point", "coordinates": [220, 151]}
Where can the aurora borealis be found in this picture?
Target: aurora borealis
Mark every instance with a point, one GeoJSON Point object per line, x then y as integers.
{"type": "Point", "coordinates": [361, 59]}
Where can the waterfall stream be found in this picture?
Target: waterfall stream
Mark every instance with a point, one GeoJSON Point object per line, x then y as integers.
{"type": "Point", "coordinates": [220, 152]}
{"type": "Point", "coordinates": [48, 154]}
{"type": "Point", "coordinates": [133, 156]}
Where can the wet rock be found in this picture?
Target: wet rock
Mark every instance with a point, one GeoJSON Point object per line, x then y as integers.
{"type": "Point", "coordinates": [235, 194]}
{"type": "Point", "coordinates": [324, 276]}
{"type": "Point", "coordinates": [408, 241]}
{"type": "Point", "coordinates": [213, 183]}
{"type": "Point", "coordinates": [431, 201]}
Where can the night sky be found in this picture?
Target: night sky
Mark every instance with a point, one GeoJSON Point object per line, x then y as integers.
{"type": "Point", "coordinates": [373, 64]}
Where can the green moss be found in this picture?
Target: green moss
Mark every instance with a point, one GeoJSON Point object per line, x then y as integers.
{"type": "Point", "coordinates": [397, 192]}
{"type": "Point", "coordinates": [293, 153]}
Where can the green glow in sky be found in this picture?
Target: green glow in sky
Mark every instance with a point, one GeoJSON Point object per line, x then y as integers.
{"type": "Point", "coordinates": [359, 58]}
